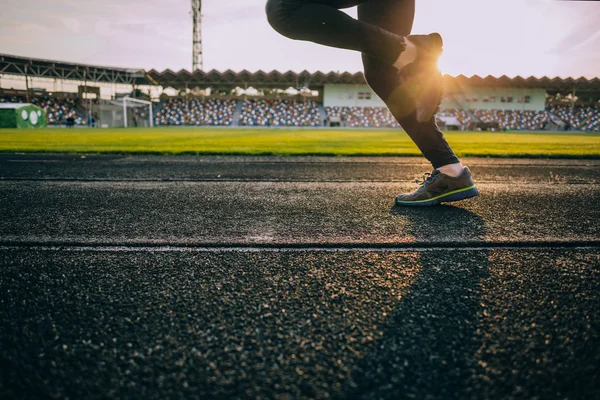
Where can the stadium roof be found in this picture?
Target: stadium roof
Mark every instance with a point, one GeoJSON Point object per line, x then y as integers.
{"type": "Point", "coordinates": [318, 79]}
{"type": "Point", "coordinates": [229, 79]}
{"type": "Point", "coordinates": [69, 71]}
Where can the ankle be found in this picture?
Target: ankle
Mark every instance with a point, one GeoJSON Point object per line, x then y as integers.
{"type": "Point", "coordinates": [452, 170]}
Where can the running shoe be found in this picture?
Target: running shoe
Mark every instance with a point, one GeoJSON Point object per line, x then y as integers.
{"type": "Point", "coordinates": [437, 188]}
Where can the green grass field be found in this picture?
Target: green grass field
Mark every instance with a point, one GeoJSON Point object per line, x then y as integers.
{"type": "Point", "coordinates": [291, 142]}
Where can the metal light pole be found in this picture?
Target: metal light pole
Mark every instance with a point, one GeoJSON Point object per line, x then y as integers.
{"type": "Point", "coordinates": [197, 58]}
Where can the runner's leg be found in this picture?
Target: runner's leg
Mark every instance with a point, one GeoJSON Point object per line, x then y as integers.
{"type": "Point", "coordinates": [322, 22]}
{"type": "Point", "coordinates": [379, 34]}
{"type": "Point", "coordinates": [397, 16]}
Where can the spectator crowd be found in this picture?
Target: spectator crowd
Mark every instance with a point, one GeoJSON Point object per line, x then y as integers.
{"type": "Point", "coordinates": [513, 120]}
{"type": "Point", "coordinates": [58, 111]}
{"type": "Point", "coordinates": [195, 112]}
{"type": "Point", "coordinates": [259, 112]}
{"type": "Point", "coordinates": [12, 99]}
{"type": "Point", "coordinates": [464, 118]}
{"type": "Point", "coordinates": [363, 117]}
{"type": "Point", "coordinates": [584, 118]}
{"type": "Point", "coordinates": [280, 113]}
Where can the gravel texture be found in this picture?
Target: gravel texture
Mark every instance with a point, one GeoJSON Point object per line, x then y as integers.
{"type": "Point", "coordinates": [262, 278]}
{"type": "Point", "coordinates": [299, 324]}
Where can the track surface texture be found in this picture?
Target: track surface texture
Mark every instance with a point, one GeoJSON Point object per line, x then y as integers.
{"type": "Point", "coordinates": [263, 277]}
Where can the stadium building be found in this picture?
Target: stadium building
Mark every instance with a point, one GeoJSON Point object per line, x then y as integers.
{"type": "Point", "coordinates": [107, 97]}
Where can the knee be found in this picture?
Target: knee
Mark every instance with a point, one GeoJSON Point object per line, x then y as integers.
{"type": "Point", "coordinates": [279, 17]}
{"type": "Point", "coordinates": [276, 15]}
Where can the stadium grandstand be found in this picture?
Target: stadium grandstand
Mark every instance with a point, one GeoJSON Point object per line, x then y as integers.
{"type": "Point", "coordinates": [276, 99]}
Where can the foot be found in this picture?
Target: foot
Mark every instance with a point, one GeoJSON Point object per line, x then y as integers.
{"type": "Point", "coordinates": [439, 188]}
{"type": "Point", "coordinates": [429, 47]}
{"type": "Point", "coordinates": [421, 80]}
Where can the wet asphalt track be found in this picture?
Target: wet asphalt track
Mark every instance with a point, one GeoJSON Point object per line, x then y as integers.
{"type": "Point", "coordinates": [220, 277]}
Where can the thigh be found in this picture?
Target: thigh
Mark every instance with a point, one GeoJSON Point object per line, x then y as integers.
{"type": "Point", "coordinates": [394, 16]}
{"type": "Point", "coordinates": [282, 8]}
{"type": "Point", "coordinates": [339, 4]}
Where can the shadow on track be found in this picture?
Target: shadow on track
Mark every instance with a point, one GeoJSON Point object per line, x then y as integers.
{"type": "Point", "coordinates": [429, 343]}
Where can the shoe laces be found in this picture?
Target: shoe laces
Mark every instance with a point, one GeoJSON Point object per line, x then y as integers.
{"type": "Point", "coordinates": [426, 178]}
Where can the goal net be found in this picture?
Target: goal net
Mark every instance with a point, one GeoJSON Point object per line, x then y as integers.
{"type": "Point", "coordinates": [126, 112]}
{"type": "Point", "coordinates": [137, 112]}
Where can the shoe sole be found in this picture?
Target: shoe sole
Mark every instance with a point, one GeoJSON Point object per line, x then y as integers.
{"type": "Point", "coordinates": [456, 195]}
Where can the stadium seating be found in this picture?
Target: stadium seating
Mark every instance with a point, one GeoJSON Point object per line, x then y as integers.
{"type": "Point", "coordinates": [280, 113]}
{"type": "Point", "coordinates": [467, 123]}
{"type": "Point", "coordinates": [58, 110]}
{"type": "Point", "coordinates": [12, 99]}
{"type": "Point", "coordinates": [379, 117]}
{"type": "Point", "coordinates": [364, 117]}
{"type": "Point", "coordinates": [585, 118]}
{"type": "Point", "coordinates": [177, 111]}
{"type": "Point", "coordinates": [513, 120]}
{"type": "Point", "coordinates": [195, 112]}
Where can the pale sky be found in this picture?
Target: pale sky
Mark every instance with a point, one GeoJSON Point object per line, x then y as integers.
{"type": "Point", "coordinates": [484, 37]}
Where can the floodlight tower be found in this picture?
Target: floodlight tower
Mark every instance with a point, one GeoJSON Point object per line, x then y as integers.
{"type": "Point", "coordinates": [197, 58]}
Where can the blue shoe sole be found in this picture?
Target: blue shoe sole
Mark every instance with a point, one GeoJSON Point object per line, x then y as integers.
{"type": "Point", "coordinates": [467, 194]}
